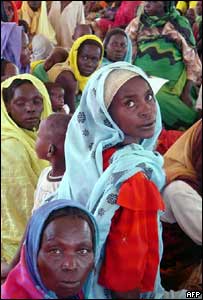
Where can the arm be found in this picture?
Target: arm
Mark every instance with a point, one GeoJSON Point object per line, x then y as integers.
{"type": "Point", "coordinates": [67, 80]}
{"type": "Point", "coordinates": [132, 31]}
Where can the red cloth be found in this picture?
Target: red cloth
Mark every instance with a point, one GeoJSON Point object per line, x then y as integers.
{"type": "Point", "coordinates": [166, 139]}
{"type": "Point", "coordinates": [125, 13]}
{"type": "Point", "coordinates": [18, 4]}
{"type": "Point", "coordinates": [15, 17]}
{"type": "Point", "coordinates": [132, 247]}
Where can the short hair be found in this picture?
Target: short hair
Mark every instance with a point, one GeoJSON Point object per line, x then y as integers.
{"type": "Point", "coordinates": [51, 85]}
{"type": "Point", "coordinates": [90, 42]}
{"type": "Point", "coordinates": [9, 92]}
{"type": "Point", "coordinates": [66, 212]}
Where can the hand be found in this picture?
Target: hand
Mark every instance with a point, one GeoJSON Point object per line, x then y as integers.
{"type": "Point", "coordinates": [185, 96]}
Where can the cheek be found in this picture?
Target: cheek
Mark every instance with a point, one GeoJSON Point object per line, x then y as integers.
{"type": "Point", "coordinates": [86, 266]}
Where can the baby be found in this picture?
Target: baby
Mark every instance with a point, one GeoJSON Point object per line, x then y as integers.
{"type": "Point", "coordinates": [56, 94]}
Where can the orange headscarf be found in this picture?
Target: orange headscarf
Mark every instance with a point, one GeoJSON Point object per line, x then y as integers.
{"type": "Point", "coordinates": [184, 159]}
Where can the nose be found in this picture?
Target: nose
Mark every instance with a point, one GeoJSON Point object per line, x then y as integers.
{"type": "Point", "coordinates": [30, 108]}
{"type": "Point", "coordinates": [69, 263]}
{"type": "Point", "coordinates": [145, 111]}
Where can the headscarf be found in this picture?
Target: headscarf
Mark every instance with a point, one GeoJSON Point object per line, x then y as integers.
{"type": "Point", "coordinates": [184, 159]}
{"type": "Point", "coordinates": [72, 58]}
{"type": "Point", "coordinates": [38, 20]}
{"type": "Point", "coordinates": [41, 47]}
{"type": "Point", "coordinates": [180, 23]}
{"type": "Point", "coordinates": [9, 129]}
{"type": "Point", "coordinates": [11, 44]}
{"type": "Point", "coordinates": [4, 17]}
{"type": "Point", "coordinates": [128, 56]}
{"type": "Point", "coordinates": [90, 132]}
{"type": "Point", "coordinates": [24, 281]}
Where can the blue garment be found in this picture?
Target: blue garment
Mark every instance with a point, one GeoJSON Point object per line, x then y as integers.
{"type": "Point", "coordinates": [33, 236]}
{"type": "Point", "coordinates": [128, 56]}
{"type": "Point", "coordinates": [91, 131]}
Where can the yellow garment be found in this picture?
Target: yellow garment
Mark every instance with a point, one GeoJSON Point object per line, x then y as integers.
{"type": "Point", "coordinates": [38, 21]}
{"type": "Point", "coordinates": [20, 169]}
{"type": "Point", "coordinates": [177, 160]}
{"type": "Point", "coordinates": [183, 6]}
{"type": "Point", "coordinates": [35, 63]}
{"type": "Point", "coordinates": [71, 63]}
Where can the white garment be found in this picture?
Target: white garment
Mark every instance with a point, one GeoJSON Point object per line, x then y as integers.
{"type": "Point", "coordinates": [181, 295]}
{"type": "Point", "coordinates": [184, 206]}
{"type": "Point", "coordinates": [45, 187]}
{"type": "Point", "coordinates": [199, 99]}
{"type": "Point", "coordinates": [64, 23]}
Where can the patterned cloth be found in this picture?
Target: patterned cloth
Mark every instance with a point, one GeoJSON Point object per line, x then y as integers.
{"type": "Point", "coordinates": [24, 280]}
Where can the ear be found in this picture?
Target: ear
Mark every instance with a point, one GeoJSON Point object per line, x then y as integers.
{"type": "Point", "coordinates": [51, 150]}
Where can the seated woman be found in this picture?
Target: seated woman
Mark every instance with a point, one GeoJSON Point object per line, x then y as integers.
{"type": "Point", "coordinates": [84, 58]}
{"type": "Point", "coordinates": [116, 127]}
{"type": "Point", "coordinates": [8, 69]}
{"type": "Point", "coordinates": [57, 258]}
{"type": "Point", "coordinates": [24, 103]}
{"type": "Point", "coordinates": [164, 46]}
{"type": "Point", "coordinates": [117, 47]}
{"type": "Point", "coordinates": [35, 14]}
{"type": "Point", "coordinates": [182, 220]}
{"type": "Point", "coordinates": [14, 46]}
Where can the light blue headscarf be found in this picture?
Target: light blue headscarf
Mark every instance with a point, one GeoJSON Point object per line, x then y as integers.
{"type": "Point", "coordinates": [33, 237]}
{"type": "Point", "coordinates": [128, 56]}
{"type": "Point", "coordinates": [90, 132]}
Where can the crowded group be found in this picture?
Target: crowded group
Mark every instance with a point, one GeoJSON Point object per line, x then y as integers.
{"type": "Point", "coordinates": [101, 149]}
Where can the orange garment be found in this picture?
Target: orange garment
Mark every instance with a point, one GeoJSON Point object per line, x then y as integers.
{"type": "Point", "coordinates": [134, 235]}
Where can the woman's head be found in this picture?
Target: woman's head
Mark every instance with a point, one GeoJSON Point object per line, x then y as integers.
{"type": "Point", "coordinates": [34, 5]}
{"type": "Point", "coordinates": [115, 45]}
{"type": "Point", "coordinates": [89, 56]}
{"type": "Point", "coordinates": [8, 7]}
{"type": "Point", "coordinates": [24, 103]}
{"type": "Point", "coordinates": [131, 104]}
{"type": "Point", "coordinates": [155, 8]}
{"type": "Point", "coordinates": [61, 243]}
{"type": "Point", "coordinates": [199, 8]}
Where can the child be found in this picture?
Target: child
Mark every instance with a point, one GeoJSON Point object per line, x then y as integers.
{"type": "Point", "coordinates": [50, 146]}
{"type": "Point", "coordinates": [80, 30]}
{"type": "Point", "coordinates": [8, 69]}
{"type": "Point", "coordinates": [56, 94]}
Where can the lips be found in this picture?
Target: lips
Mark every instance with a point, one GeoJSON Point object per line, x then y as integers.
{"type": "Point", "coordinates": [149, 125]}
{"type": "Point", "coordinates": [69, 284]}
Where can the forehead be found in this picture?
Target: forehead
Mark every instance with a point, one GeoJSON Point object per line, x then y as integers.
{"type": "Point", "coordinates": [68, 228]}
{"type": "Point", "coordinates": [87, 48]}
{"type": "Point", "coordinates": [25, 90]}
{"type": "Point", "coordinates": [56, 89]}
{"type": "Point", "coordinates": [117, 37]}
{"type": "Point", "coordinates": [134, 86]}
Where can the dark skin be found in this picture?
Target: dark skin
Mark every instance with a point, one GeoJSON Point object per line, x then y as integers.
{"type": "Point", "coordinates": [25, 52]}
{"type": "Point", "coordinates": [34, 5]}
{"type": "Point", "coordinates": [88, 60]}
{"type": "Point", "coordinates": [116, 48]}
{"type": "Point", "coordinates": [8, 10]}
{"type": "Point", "coordinates": [80, 30]}
{"type": "Point", "coordinates": [57, 55]}
{"type": "Point", "coordinates": [26, 106]}
{"type": "Point", "coordinates": [66, 255]}
{"type": "Point", "coordinates": [10, 70]}
{"type": "Point", "coordinates": [57, 98]}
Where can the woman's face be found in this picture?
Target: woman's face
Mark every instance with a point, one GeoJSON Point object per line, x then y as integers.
{"type": "Point", "coordinates": [116, 48]}
{"type": "Point", "coordinates": [8, 10]}
{"type": "Point", "coordinates": [26, 106]}
{"type": "Point", "coordinates": [88, 59]}
{"type": "Point", "coordinates": [154, 8]}
{"type": "Point", "coordinates": [34, 5]}
{"type": "Point", "coordinates": [133, 109]}
{"type": "Point", "coordinates": [66, 255]}
{"type": "Point", "coordinates": [25, 52]}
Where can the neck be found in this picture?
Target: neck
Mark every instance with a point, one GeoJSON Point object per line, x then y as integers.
{"type": "Point", "coordinates": [130, 140]}
{"type": "Point", "coordinates": [58, 168]}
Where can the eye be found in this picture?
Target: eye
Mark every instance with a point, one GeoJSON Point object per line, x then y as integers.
{"type": "Point", "coordinates": [85, 58]}
{"type": "Point", "coordinates": [37, 101]}
{"type": "Point", "coordinates": [149, 97]}
{"type": "Point", "coordinates": [130, 103]}
{"type": "Point", "coordinates": [83, 251]}
{"type": "Point", "coordinates": [20, 103]}
{"type": "Point", "coordinates": [55, 251]}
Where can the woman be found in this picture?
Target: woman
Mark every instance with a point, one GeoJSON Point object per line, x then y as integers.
{"type": "Point", "coordinates": [35, 14]}
{"type": "Point", "coordinates": [121, 17]}
{"type": "Point", "coordinates": [64, 17]}
{"type": "Point", "coordinates": [164, 46]}
{"type": "Point", "coordinates": [117, 47]}
{"type": "Point", "coordinates": [24, 102]}
{"type": "Point", "coordinates": [14, 46]}
{"type": "Point", "coordinates": [67, 258]}
{"type": "Point", "coordinates": [84, 58]}
{"type": "Point", "coordinates": [116, 127]}
{"type": "Point", "coordinates": [182, 220]}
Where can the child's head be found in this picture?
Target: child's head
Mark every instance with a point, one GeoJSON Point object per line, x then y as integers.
{"type": "Point", "coordinates": [80, 30]}
{"type": "Point", "coordinates": [57, 55]}
{"type": "Point", "coordinates": [8, 69]}
{"type": "Point", "coordinates": [51, 137]}
{"type": "Point", "coordinates": [56, 94]}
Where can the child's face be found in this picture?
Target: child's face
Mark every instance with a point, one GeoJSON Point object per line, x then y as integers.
{"type": "Point", "coordinates": [42, 143]}
{"type": "Point", "coordinates": [57, 98]}
{"type": "Point", "coordinates": [133, 109]}
{"type": "Point", "coordinates": [88, 59]}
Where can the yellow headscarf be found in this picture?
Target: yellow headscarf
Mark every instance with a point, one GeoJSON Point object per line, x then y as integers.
{"type": "Point", "coordinates": [72, 58]}
{"type": "Point", "coordinates": [38, 20]}
{"type": "Point", "coordinates": [178, 159]}
{"type": "Point", "coordinates": [20, 171]}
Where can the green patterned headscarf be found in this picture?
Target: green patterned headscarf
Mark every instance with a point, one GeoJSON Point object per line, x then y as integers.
{"type": "Point", "coordinates": [180, 23]}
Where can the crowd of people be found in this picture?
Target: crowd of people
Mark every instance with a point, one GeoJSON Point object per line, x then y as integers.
{"type": "Point", "coordinates": [101, 134]}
